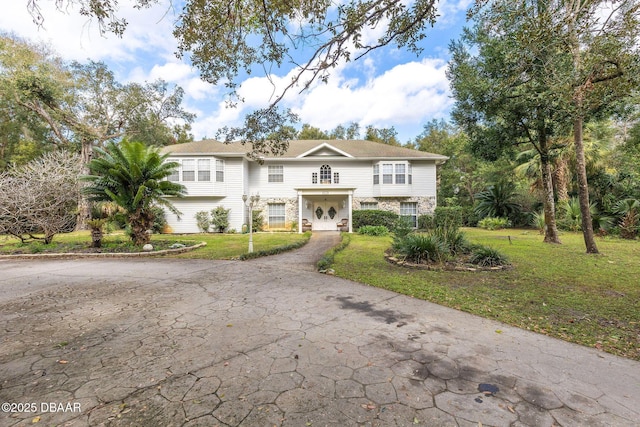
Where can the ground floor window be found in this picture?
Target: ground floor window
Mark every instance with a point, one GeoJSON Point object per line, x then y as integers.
{"type": "Point", "coordinates": [410, 210]}
{"type": "Point", "coordinates": [368, 205]}
{"type": "Point", "coordinates": [276, 215]}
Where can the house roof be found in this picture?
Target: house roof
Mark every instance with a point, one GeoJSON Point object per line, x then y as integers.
{"type": "Point", "coordinates": [299, 149]}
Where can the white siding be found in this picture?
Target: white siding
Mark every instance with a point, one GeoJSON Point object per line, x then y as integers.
{"type": "Point", "coordinates": [246, 177]}
{"type": "Point", "coordinates": [424, 179]}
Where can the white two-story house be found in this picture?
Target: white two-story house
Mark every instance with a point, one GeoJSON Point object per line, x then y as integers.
{"type": "Point", "coordinates": [316, 183]}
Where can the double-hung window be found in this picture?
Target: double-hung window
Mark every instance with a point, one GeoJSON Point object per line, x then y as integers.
{"type": "Point", "coordinates": [188, 170]}
{"type": "Point", "coordinates": [204, 170]}
{"type": "Point", "coordinates": [368, 205]}
{"type": "Point", "coordinates": [276, 215]}
{"type": "Point", "coordinates": [410, 210]}
{"type": "Point", "coordinates": [175, 174]}
{"type": "Point", "coordinates": [219, 170]}
{"type": "Point", "coordinates": [387, 173]}
{"type": "Point", "coordinates": [400, 173]}
{"type": "Point", "coordinates": [276, 173]}
{"type": "Point", "coordinates": [392, 173]}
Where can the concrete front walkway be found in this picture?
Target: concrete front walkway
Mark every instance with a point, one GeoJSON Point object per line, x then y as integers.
{"type": "Point", "coordinates": [167, 342]}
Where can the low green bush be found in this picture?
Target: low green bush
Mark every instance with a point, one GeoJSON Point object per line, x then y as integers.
{"type": "Point", "coordinates": [426, 222]}
{"type": "Point", "coordinates": [448, 216]}
{"type": "Point", "coordinates": [373, 217]}
{"type": "Point", "coordinates": [276, 250]}
{"type": "Point", "coordinates": [491, 223]}
{"type": "Point", "coordinates": [373, 230]}
{"type": "Point", "coordinates": [422, 247]}
{"type": "Point", "coordinates": [484, 256]}
{"type": "Point", "coordinates": [327, 259]}
{"type": "Point", "coordinates": [455, 240]}
{"type": "Point", "coordinates": [403, 226]}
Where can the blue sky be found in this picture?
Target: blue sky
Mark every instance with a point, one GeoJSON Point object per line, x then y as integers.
{"type": "Point", "coordinates": [386, 88]}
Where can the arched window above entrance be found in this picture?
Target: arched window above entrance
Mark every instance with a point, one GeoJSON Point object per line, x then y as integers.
{"type": "Point", "coordinates": [325, 174]}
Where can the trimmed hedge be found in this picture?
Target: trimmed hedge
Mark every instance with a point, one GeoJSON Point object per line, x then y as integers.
{"type": "Point", "coordinates": [277, 250]}
{"type": "Point", "coordinates": [374, 217]}
{"type": "Point", "coordinates": [327, 259]}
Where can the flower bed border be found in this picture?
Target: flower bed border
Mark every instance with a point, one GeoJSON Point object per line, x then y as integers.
{"type": "Point", "coordinates": [442, 267]}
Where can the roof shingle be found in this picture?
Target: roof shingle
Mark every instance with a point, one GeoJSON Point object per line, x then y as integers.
{"type": "Point", "coordinates": [355, 148]}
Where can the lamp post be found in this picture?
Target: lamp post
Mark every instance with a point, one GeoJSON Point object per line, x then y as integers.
{"type": "Point", "coordinates": [254, 199]}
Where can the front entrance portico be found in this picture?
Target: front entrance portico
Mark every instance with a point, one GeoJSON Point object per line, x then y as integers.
{"type": "Point", "coordinates": [324, 208]}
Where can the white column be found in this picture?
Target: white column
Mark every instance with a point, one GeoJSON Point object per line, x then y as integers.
{"type": "Point", "coordinates": [299, 212]}
{"type": "Point", "coordinates": [350, 202]}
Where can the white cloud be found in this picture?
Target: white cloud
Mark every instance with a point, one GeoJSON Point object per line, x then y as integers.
{"type": "Point", "coordinates": [376, 90]}
{"type": "Point", "coordinates": [74, 37]}
{"type": "Point", "coordinates": [405, 96]}
{"type": "Point", "coordinates": [407, 93]}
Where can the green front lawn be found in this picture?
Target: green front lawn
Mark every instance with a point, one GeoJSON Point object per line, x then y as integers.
{"type": "Point", "coordinates": [219, 246]}
{"type": "Point", "coordinates": [556, 290]}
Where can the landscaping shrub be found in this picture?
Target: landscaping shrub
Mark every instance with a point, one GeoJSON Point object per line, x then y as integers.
{"type": "Point", "coordinates": [448, 216]}
{"type": "Point", "coordinates": [537, 221]}
{"type": "Point", "coordinates": [202, 221]}
{"type": "Point", "coordinates": [220, 218]}
{"type": "Point", "coordinates": [426, 222]}
{"type": "Point", "coordinates": [422, 247]}
{"type": "Point", "coordinates": [402, 226]}
{"type": "Point", "coordinates": [257, 221]}
{"type": "Point", "coordinates": [373, 230]}
{"type": "Point", "coordinates": [484, 256]}
{"type": "Point", "coordinates": [454, 239]}
{"type": "Point", "coordinates": [327, 259]}
{"type": "Point", "coordinates": [373, 217]}
{"type": "Point", "coordinates": [491, 223]}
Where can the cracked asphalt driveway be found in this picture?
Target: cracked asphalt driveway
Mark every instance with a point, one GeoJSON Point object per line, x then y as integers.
{"type": "Point", "coordinates": [167, 342]}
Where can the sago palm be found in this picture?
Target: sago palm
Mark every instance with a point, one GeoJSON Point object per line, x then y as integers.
{"type": "Point", "coordinates": [133, 176]}
{"type": "Point", "coordinates": [497, 200]}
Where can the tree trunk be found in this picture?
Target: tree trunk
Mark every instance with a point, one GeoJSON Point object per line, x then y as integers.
{"type": "Point", "coordinates": [84, 207]}
{"type": "Point", "coordinates": [561, 179]}
{"type": "Point", "coordinates": [550, 229]}
{"type": "Point", "coordinates": [583, 188]}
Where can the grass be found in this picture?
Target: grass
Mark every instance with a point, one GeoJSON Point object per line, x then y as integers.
{"type": "Point", "coordinates": [219, 246]}
{"type": "Point", "coordinates": [557, 290]}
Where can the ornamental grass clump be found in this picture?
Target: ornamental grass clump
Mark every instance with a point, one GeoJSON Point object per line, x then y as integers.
{"type": "Point", "coordinates": [484, 256]}
{"type": "Point", "coordinates": [421, 248]}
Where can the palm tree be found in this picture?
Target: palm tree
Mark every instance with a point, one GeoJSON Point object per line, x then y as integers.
{"type": "Point", "coordinates": [133, 176]}
{"type": "Point", "coordinates": [497, 200]}
{"type": "Point", "coordinates": [629, 211]}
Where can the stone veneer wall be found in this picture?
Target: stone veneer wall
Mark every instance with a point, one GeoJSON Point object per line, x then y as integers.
{"type": "Point", "coordinates": [426, 205]}
{"type": "Point", "coordinates": [290, 210]}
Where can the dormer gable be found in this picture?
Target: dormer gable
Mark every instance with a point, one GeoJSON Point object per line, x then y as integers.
{"type": "Point", "coordinates": [324, 150]}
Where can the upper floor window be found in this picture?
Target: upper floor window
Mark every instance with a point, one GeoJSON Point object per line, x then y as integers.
{"type": "Point", "coordinates": [400, 173]}
{"type": "Point", "coordinates": [325, 174]}
{"type": "Point", "coordinates": [191, 170]}
{"type": "Point", "coordinates": [175, 174]}
{"type": "Point", "coordinates": [204, 170]}
{"type": "Point", "coordinates": [219, 170]}
{"type": "Point", "coordinates": [392, 173]}
{"type": "Point", "coordinates": [387, 173]}
{"type": "Point", "coordinates": [188, 170]}
{"type": "Point", "coordinates": [314, 178]}
{"type": "Point", "coordinates": [276, 173]}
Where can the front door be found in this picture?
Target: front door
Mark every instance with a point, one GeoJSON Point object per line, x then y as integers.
{"type": "Point", "coordinates": [325, 215]}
